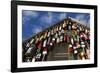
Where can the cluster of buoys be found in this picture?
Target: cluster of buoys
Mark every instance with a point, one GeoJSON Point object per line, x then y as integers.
{"type": "Point", "coordinates": [75, 35]}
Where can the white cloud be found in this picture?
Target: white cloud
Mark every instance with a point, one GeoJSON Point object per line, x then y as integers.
{"type": "Point", "coordinates": [30, 13]}
{"type": "Point", "coordinates": [27, 15]}
{"type": "Point", "coordinates": [47, 18]}
{"type": "Point", "coordinates": [62, 16]}
{"type": "Point", "coordinates": [36, 30]}
{"type": "Point", "coordinates": [79, 16]}
{"type": "Point", "coordinates": [83, 19]}
{"type": "Point", "coordinates": [25, 19]}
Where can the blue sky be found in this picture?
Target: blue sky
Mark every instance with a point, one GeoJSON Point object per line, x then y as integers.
{"type": "Point", "coordinates": [35, 21]}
